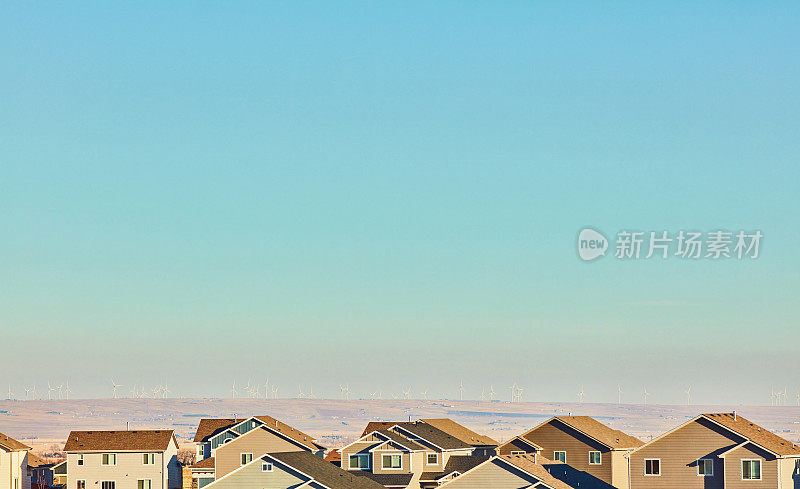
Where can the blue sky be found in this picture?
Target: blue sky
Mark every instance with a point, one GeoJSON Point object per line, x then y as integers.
{"type": "Point", "coordinates": [389, 193]}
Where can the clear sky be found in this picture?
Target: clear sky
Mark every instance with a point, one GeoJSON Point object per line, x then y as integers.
{"type": "Point", "coordinates": [389, 194]}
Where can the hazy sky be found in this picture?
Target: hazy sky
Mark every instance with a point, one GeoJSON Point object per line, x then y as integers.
{"type": "Point", "coordinates": [389, 194]}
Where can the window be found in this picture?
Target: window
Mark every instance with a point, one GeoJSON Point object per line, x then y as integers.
{"type": "Point", "coordinates": [148, 459]}
{"type": "Point", "coordinates": [81, 484]}
{"type": "Point", "coordinates": [751, 470]}
{"type": "Point", "coordinates": [266, 467]}
{"type": "Point", "coordinates": [560, 456]}
{"type": "Point", "coordinates": [144, 484]}
{"type": "Point", "coordinates": [652, 466]}
{"type": "Point", "coordinates": [108, 485]}
{"type": "Point", "coordinates": [247, 458]}
{"type": "Point", "coordinates": [432, 459]}
{"type": "Point", "coordinates": [517, 452]}
{"type": "Point", "coordinates": [80, 459]}
{"type": "Point", "coordinates": [705, 467]}
{"type": "Point", "coordinates": [109, 459]}
{"type": "Point", "coordinates": [359, 461]}
{"type": "Point", "coordinates": [392, 461]}
{"type": "Point", "coordinates": [594, 458]}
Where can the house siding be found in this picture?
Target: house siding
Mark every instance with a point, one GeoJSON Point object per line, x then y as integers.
{"type": "Point", "coordinates": [558, 436]}
{"type": "Point", "coordinates": [733, 469]}
{"type": "Point", "coordinates": [251, 476]}
{"type": "Point", "coordinates": [788, 473]}
{"type": "Point", "coordinates": [258, 442]}
{"type": "Point", "coordinates": [14, 465]}
{"type": "Point", "coordinates": [492, 476]}
{"type": "Point", "coordinates": [128, 470]}
{"type": "Point", "coordinates": [679, 452]}
{"type": "Point", "coordinates": [515, 445]}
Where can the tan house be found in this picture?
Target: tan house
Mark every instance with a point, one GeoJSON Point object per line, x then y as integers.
{"type": "Point", "coordinates": [291, 470]}
{"type": "Point", "coordinates": [414, 455]}
{"type": "Point", "coordinates": [224, 445]}
{"type": "Point", "coordinates": [507, 472]}
{"type": "Point", "coordinates": [129, 459]}
{"type": "Point", "coordinates": [13, 464]}
{"type": "Point", "coordinates": [716, 451]}
{"type": "Point", "coordinates": [581, 442]}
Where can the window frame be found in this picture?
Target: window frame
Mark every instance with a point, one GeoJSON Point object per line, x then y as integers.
{"type": "Point", "coordinates": [652, 460]}
{"type": "Point", "coordinates": [428, 458]}
{"type": "Point", "coordinates": [113, 484]}
{"type": "Point", "coordinates": [557, 459]}
{"type": "Point", "coordinates": [149, 484]}
{"type": "Point", "coordinates": [78, 484]}
{"type": "Point", "coordinates": [705, 460]}
{"type": "Point", "coordinates": [751, 460]}
{"type": "Point", "coordinates": [108, 457]}
{"type": "Point", "coordinates": [358, 456]}
{"type": "Point", "coordinates": [517, 452]}
{"type": "Point", "coordinates": [391, 458]}
{"type": "Point", "coordinates": [267, 467]}
{"type": "Point", "coordinates": [148, 456]}
{"type": "Point", "coordinates": [242, 457]}
{"type": "Point", "coordinates": [599, 457]}
{"type": "Point", "coordinates": [80, 460]}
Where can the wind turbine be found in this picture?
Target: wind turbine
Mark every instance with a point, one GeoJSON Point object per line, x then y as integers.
{"type": "Point", "coordinates": [166, 390]}
{"type": "Point", "coordinates": [60, 391]}
{"type": "Point", "coordinates": [580, 395]}
{"type": "Point", "coordinates": [10, 394]}
{"type": "Point", "coordinates": [513, 392]}
{"type": "Point", "coordinates": [49, 390]}
{"type": "Point", "coordinates": [645, 395]}
{"type": "Point", "coordinates": [491, 393]}
{"type": "Point", "coordinates": [407, 393]}
{"type": "Point", "coordinates": [27, 392]}
{"type": "Point", "coordinates": [266, 388]}
{"type": "Point", "coordinates": [114, 387]}
{"type": "Point", "coordinates": [619, 394]}
{"type": "Point", "coordinates": [311, 392]}
{"type": "Point", "coordinates": [483, 393]}
{"type": "Point", "coordinates": [299, 391]}
{"type": "Point", "coordinates": [425, 394]}
{"type": "Point", "coordinates": [67, 390]}
{"type": "Point", "coordinates": [461, 390]}
{"type": "Point", "coordinates": [233, 389]}
{"type": "Point", "coordinates": [688, 396]}
{"type": "Point", "coordinates": [274, 391]}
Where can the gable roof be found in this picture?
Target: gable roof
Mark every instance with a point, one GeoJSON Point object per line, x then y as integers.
{"type": "Point", "coordinates": [420, 429]}
{"type": "Point", "coordinates": [383, 479]}
{"type": "Point", "coordinates": [11, 444]}
{"type": "Point", "coordinates": [127, 440]}
{"type": "Point", "coordinates": [744, 428]}
{"type": "Point", "coordinates": [333, 456]}
{"type": "Point", "coordinates": [540, 472]}
{"type": "Point", "coordinates": [401, 440]}
{"type": "Point", "coordinates": [525, 441]}
{"type": "Point", "coordinates": [754, 433]}
{"type": "Point", "coordinates": [460, 431]}
{"type": "Point", "coordinates": [209, 427]}
{"type": "Point", "coordinates": [207, 463]}
{"type": "Point", "coordinates": [323, 472]}
{"type": "Point", "coordinates": [456, 463]}
{"type": "Point", "coordinates": [35, 461]}
{"type": "Point", "coordinates": [608, 436]}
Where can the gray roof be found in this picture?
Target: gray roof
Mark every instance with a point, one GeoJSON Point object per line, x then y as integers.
{"type": "Point", "coordinates": [402, 440]}
{"type": "Point", "coordinates": [434, 435]}
{"type": "Point", "coordinates": [323, 472]}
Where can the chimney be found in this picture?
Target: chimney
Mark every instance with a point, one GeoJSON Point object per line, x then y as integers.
{"type": "Point", "coordinates": [734, 415]}
{"type": "Point", "coordinates": [127, 425]}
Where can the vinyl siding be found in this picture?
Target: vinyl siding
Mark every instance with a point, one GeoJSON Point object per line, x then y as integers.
{"type": "Point", "coordinates": [515, 445]}
{"type": "Point", "coordinates": [14, 465]}
{"type": "Point", "coordinates": [557, 436]}
{"type": "Point", "coordinates": [251, 477]}
{"type": "Point", "coordinates": [733, 469]}
{"type": "Point", "coordinates": [790, 478]}
{"type": "Point", "coordinates": [492, 475]}
{"type": "Point", "coordinates": [619, 469]}
{"type": "Point", "coordinates": [679, 452]}
{"type": "Point", "coordinates": [377, 462]}
{"type": "Point", "coordinates": [258, 442]}
{"type": "Point", "coordinates": [128, 470]}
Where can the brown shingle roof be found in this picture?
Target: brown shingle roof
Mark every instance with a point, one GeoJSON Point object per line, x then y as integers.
{"type": "Point", "coordinates": [334, 456]}
{"type": "Point", "coordinates": [422, 430]}
{"type": "Point", "coordinates": [207, 463]}
{"type": "Point", "coordinates": [528, 465]}
{"type": "Point", "coordinates": [461, 432]}
{"type": "Point", "coordinates": [12, 444]}
{"type": "Point", "coordinates": [209, 427]}
{"type": "Point", "coordinates": [37, 461]}
{"type": "Point", "coordinates": [758, 435]}
{"type": "Point", "coordinates": [126, 440]}
{"type": "Point", "coordinates": [401, 440]}
{"type": "Point", "coordinates": [606, 435]}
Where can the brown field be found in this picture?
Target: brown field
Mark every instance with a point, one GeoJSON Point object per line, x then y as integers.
{"type": "Point", "coordinates": [45, 424]}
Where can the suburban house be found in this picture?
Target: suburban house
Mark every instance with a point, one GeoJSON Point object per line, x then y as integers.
{"type": "Point", "coordinates": [409, 455]}
{"type": "Point", "coordinates": [482, 444]}
{"type": "Point", "coordinates": [710, 451]}
{"type": "Point", "coordinates": [507, 472]}
{"type": "Point", "coordinates": [13, 464]}
{"type": "Point", "coordinates": [224, 445]}
{"type": "Point", "coordinates": [43, 473]}
{"type": "Point", "coordinates": [581, 442]}
{"type": "Point", "coordinates": [291, 470]}
{"type": "Point", "coordinates": [128, 459]}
